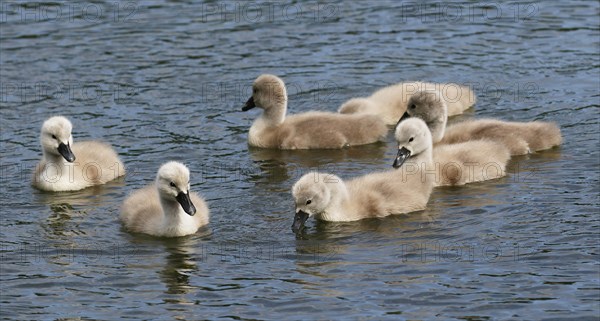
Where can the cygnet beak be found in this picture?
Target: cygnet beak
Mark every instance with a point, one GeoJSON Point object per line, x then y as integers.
{"type": "Point", "coordinates": [404, 116]}
{"type": "Point", "coordinates": [249, 104]}
{"type": "Point", "coordinates": [186, 203]}
{"type": "Point", "coordinates": [403, 155]}
{"type": "Point", "coordinates": [299, 220]}
{"type": "Point", "coordinates": [65, 152]}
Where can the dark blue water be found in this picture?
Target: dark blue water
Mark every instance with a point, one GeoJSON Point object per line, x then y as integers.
{"type": "Point", "coordinates": [166, 81]}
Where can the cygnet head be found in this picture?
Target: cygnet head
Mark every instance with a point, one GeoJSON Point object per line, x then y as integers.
{"type": "Point", "coordinates": [413, 137]}
{"type": "Point", "coordinates": [173, 183]}
{"type": "Point", "coordinates": [312, 195]}
{"type": "Point", "coordinates": [56, 138]}
{"type": "Point", "coordinates": [356, 106]}
{"type": "Point", "coordinates": [268, 91]}
{"type": "Point", "coordinates": [428, 106]}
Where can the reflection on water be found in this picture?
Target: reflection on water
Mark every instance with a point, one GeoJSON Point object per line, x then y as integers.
{"type": "Point", "coordinates": [281, 165]}
{"type": "Point", "coordinates": [179, 267]}
{"type": "Point", "coordinates": [77, 205]}
{"type": "Point", "coordinates": [307, 159]}
{"type": "Point", "coordinates": [97, 194]}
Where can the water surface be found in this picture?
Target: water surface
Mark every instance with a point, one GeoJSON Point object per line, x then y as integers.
{"type": "Point", "coordinates": [166, 81]}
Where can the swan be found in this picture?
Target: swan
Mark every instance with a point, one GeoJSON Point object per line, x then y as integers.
{"type": "Point", "coordinates": [311, 130]}
{"type": "Point", "coordinates": [519, 137]}
{"type": "Point", "coordinates": [68, 166]}
{"type": "Point", "coordinates": [390, 102]}
{"type": "Point", "coordinates": [167, 207]}
{"type": "Point", "coordinates": [469, 162]}
{"type": "Point", "coordinates": [466, 162]}
{"type": "Point", "coordinates": [327, 197]}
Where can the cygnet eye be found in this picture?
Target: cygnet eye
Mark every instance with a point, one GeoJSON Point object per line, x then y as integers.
{"type": "Point", "coordinates": [410, 139]}
{"type": "Point", "coordinates": [54, 136]}
{"type": "Point", "coordinates": [172, 184]}
{"type": "Point", "coordinates": [308, 202]}
{"type": "Point", "coordinates": [413, 106]}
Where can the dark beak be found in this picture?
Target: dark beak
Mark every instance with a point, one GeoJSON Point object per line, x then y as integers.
{"type": "Point", "coordinates": [186, 203]}
{"type": "Point", "coordinates": [403, 155]}
{"type": "Point", "coordinates": [65, 151]}
{"type": "Point", "coordinates": [404, 116]}
{"type": "Point", "coordinates": [249, 104]}
{"type": "Point", "coordinates": [299, 220]}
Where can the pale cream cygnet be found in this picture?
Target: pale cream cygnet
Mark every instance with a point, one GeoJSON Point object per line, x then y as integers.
{"type": "Point", "coordinates": [167, 207]}
{"type": "Point", "coordinates": [461, 163]}
{"type": "Point", "coordinates": [519, 137]}
{"type": "Point", "coordinates": [391, 102]}
{"type": "Point", "coordinates": [469, 162]}
{"type": "Point", "coordinates": [311, 130]}
{"type": "Point", "coordinates": [327, 197]}
{"type": "Point", "coordinates": [68, 166]}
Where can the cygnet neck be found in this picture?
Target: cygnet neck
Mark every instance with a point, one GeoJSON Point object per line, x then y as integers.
{"type": "Point", "coordinates": [53, 158]}
{"type": "Point", "coordinates": [339, 199]}
{"type": "Point", "coordinates": [274, 113]}
{"type": "Point", "coordinates": [437, 128]}
{"type": "Point", "coordinates": [426, 156]}
{"type": "Point", "coordinates": [171, 209]}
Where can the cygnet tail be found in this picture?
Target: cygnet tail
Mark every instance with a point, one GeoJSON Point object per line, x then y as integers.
{"type": "Point", "coordinates": [546, 135]}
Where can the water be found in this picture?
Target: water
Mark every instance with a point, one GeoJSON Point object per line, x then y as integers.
{"type": "Point", "coordinates": [166, 81]}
